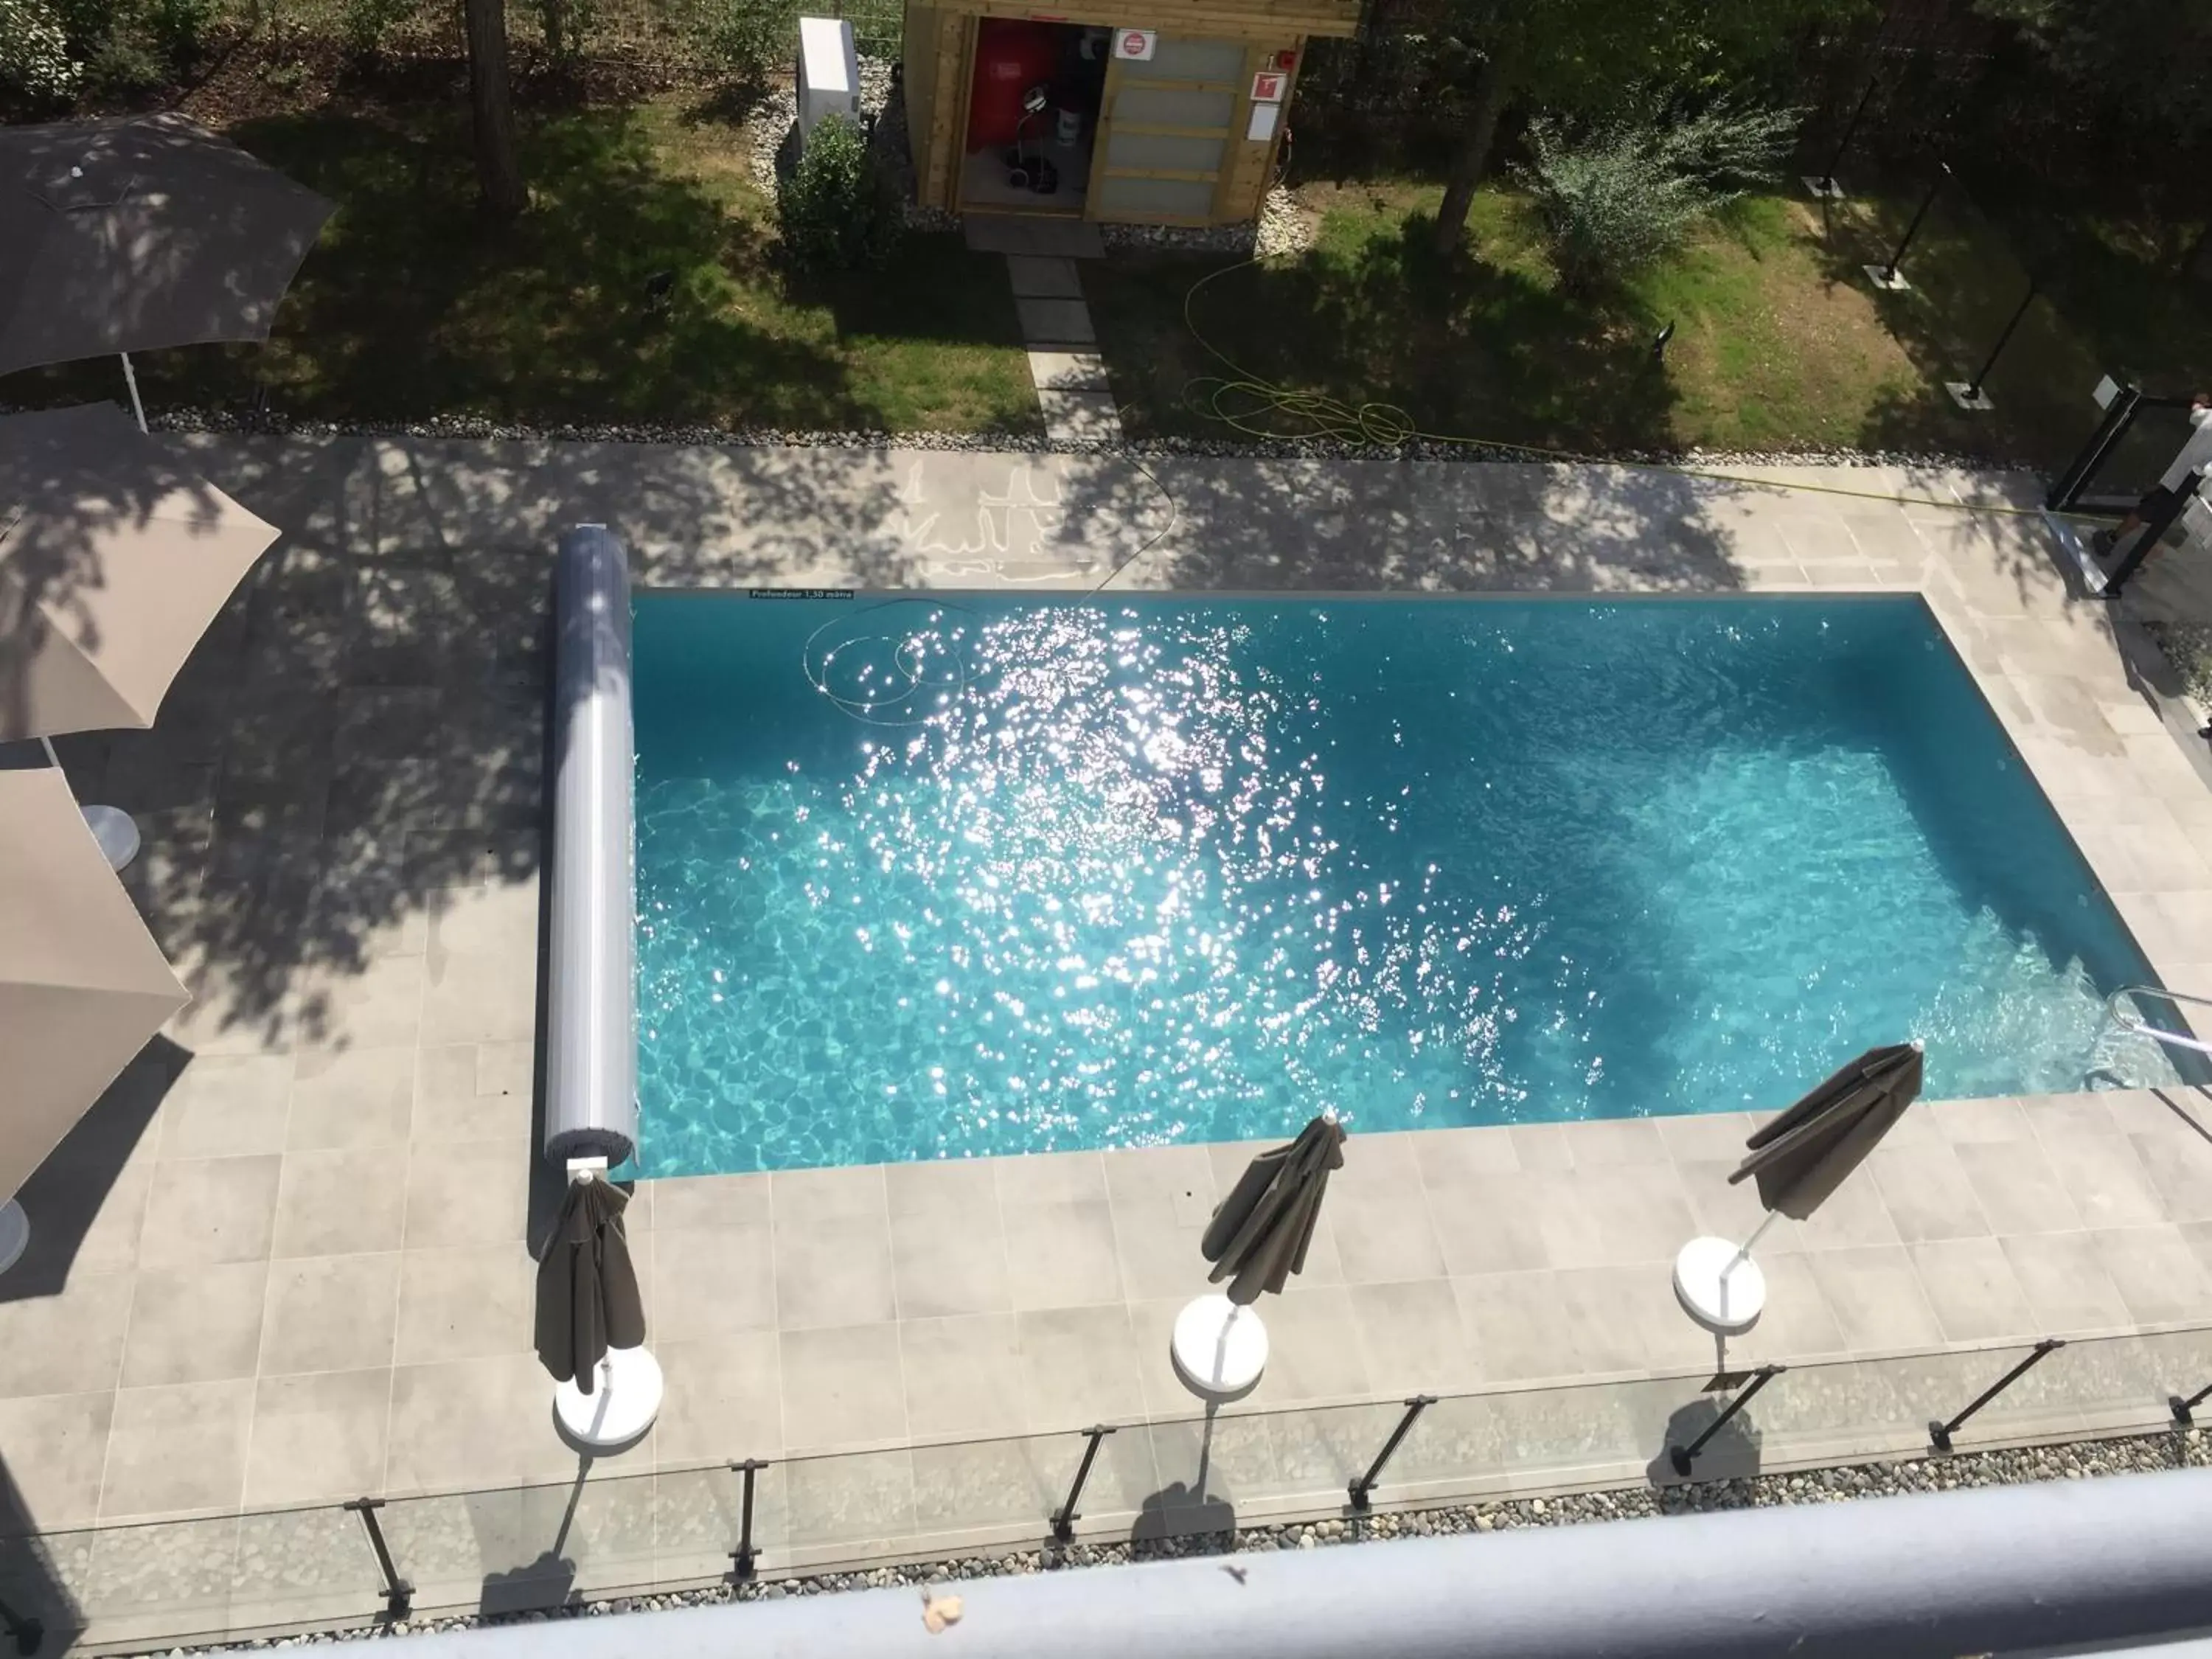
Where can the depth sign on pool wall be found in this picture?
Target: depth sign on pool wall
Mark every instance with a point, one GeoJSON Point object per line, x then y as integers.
{"type": "Point", "coordinates": [1137, 45]}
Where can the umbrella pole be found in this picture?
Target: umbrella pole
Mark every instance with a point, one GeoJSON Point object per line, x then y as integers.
{"type": "Point", "coordinates": [131, 380]}
{"type": "Point", "coordinates": [115, 830]}
{"type": "Point", "coordinates": [1743, 1251]}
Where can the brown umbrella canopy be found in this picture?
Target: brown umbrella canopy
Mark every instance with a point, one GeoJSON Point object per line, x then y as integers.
{"type": "Point", "coordinates": [1259, 1234]}
{"type": "Point", "coordinates": [135, 233]}
{"type": "Point", "coordinates": [83, 985]}
{"type": "Point", "coordinates": [1804, 1154]}
{"type": "Point", "coordinates": [113, 561]}
{"type": "Point", "coordinates": [587, 1294]}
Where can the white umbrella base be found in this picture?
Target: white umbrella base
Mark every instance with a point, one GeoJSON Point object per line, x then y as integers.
{"type": "Point", "coordinates": [1219, 1349]}
{"type": "Point", "coordinates": [624, 1399]}
{"type": "Point", "coordinates": [116, 831]}
{"type": "Point", "coordinates": [1719, 1286]}
{"type": "Point", "coordinates": [14, 1234]}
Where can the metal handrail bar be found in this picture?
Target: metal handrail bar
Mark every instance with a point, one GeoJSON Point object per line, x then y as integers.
{"type": "Point", "coordinates": [2130, 1021]}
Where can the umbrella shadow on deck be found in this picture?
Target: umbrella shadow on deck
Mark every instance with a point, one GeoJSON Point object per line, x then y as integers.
{"type": "Point", "coordinates": [1732, 1454]}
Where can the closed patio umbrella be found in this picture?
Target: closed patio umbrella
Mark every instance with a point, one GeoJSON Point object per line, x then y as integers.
{"type": "Point", "coordinates": [139, 233]}
{"type": "Point", "coordinates": [1798, 1160]}
{"type": "Point", "coordinates": [83, 985]}
{"type": "Point", "coordinates": [113, 560]}
{"type": "Point", "coordinates": [1257, 1238]}
{"type": "Point", "coordinates": [590, 1317]}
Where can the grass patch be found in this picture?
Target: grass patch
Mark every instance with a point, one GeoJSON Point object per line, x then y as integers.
{"type": "Point", "coordinates": [1780, 342]}
{"type": "Point", "coordinates": [412, 305]}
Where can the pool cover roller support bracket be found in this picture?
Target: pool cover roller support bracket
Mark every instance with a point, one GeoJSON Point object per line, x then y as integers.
{"type": "Point", "coordinates": [591, 1074]}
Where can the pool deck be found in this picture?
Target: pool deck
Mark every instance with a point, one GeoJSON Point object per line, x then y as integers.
{"type": "Point", "coordinates": [286, 1259]}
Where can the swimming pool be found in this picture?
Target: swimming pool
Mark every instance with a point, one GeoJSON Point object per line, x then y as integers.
{"type": "Point", "coordinates": [947, 876]}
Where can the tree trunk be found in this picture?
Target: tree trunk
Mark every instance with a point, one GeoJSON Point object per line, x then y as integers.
{"type": "Point", "coordinates": [499, 173]}
{"type": "Point", "coordinates": [1492, 89]}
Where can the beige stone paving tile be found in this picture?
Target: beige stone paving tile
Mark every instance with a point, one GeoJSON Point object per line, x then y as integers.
{"type": "Point", "coordinates": [1927, 1194]}
{"type": "Point", "coordinates": [810, 1198]}
{"type": "Point", "coordinates": [962, 1376]}
{"type": "Point", "coordinates": [67, 1342]}
{"type": "Point", "coordinates": [1180, 1177]}
{"type": "Point", "coordinates": [1049, 1177]}
{"type": "Point", "coordinates": [1798, 1325]}
{"type": "Point", "coordinates": [339, 1203]}
{"type": "Point", "coordinates": [2161, 768]}
{"type": "Point", "coordinates": [2019, 1190]}
{"type": "Point", "coordinates": [1493, 1224]}
{"type": "Point", "coordinates": [2160, 1276]}
{"type": "Point", "coordinates": [468, 1192]}
{"type": "Point", "coordinates": [476, 997]}
{"type": "Point", "coordinates": [1996, 1119]}
{"type": "Point", "coordinates": [1542, 1147]}
{"type": "Point", "coordinates": [1080, 1366]}
{"type": "Point", "coordinates": [1519, 1327]}
{"type": "Point", "coordinates": [57, 1447]}
{"type": "Point", "coordinates": [377, 1005]}
{"type": "Point", "coordinates": [351, 1097]}
{"type": "Point", "coordinates": [838, 1272]}
{"type": "Point", "coordinates": [1970, 1285]}
{"type": "Point", "coordinates": [2175, 1117]}
{"type": "Point", "coordinates": [469, 1091]}
{"type": "Point", "coordinates": [2061, 1121]}
{"type": "Point", "coordinates": [224, 1105]}
{"type": "Point", "coordinates": [176, 1449]}
{"type": "Point", "coordinates": [948, 1261]}
{"type": "Point", "coordinates": [1877, 1298]}
{"type": "Point", "coordinates": [2180, 1175]}
{"type": "Point", "coordinates": [474, 1424]}
{"type": "Point", "coordinates": [1061, 1255]}
{"type": "Point", "coordinates": [1604, 1143]}
{"type": "Point", "coordinates": [2147, 856]}
{"type": "Point", "coordinates": [723, 1399]}
{"type": "Point", "coordinates": [1452, 1155]}
{"type": "Point", "coordinates": [317, 1439]}
{"type": "Point", "coordinates": [712, 1282]}
{"type": "Point", "coordinates": [678, 1202]}
{"type": "Point", "coordinates": [331, 1312]}
{"type": "Point", "coordinates": [210, 1210]}
{"type": "Point", "coordinates": [1705, 1137]}
{"type": "Point", "coordinates": [843, 1388]}
{"type": "Point", "coordinates": [1156, 1244]}
{"type": "Point", "coordinates": [2105, 1177]}
{"type": "Point", "coordinates": [1379, 1213]}
{"type": "Point", "coordinates": [477, 1301]}
{"type": "Point", "coordinates": [1722, 1211]}
{"type": "Point", "coordinates": [1412, 1334]}
{"type": "Point", "coordinates": [1314, 1350]}
{"type": "Point", "coordinates": [2064, 1279]}
{"type": "Point", "coordinates": [1615, 1216]}
{"type": "Point", "coordinates": [197, 1324]}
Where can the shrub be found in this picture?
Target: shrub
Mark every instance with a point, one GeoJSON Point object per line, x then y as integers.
{"type": "Point", "coordinates": [178, 31]}
{"type": "Point", "coordinates": [1619, 197]}
{"type": "Point", "coordinates": [35, 65]}
{"type": "Point", "coordinates": [124, 66]}
{"type": "Point", "coordinates": [749, 40]}
{"type": "Point", "coordinates": [566, 23]}
{"type": "Point", "coordinates": [836, 211]}
{"type": "Point", "coordinates": [364, 23]}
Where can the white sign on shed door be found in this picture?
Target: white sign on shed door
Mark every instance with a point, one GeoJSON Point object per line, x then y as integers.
{"type": "Point", "coordinates": [1137, 45]}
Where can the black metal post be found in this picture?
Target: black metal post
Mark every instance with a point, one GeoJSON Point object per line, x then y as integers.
{"type": "Point", "coordinates": [1683, 1456]}
{"type": "Point", "coordinates": [2153, 532]}
{"type": "Point", "coordinates": [1850, 132]}
{"type": "Point", "coordinates": [1889, 271]}
{"type": "Point", "coordinates": [1362, 1484]}
{"type": "Point", "coordinates": [741, 1558]}
{"type": "Point", "coordinates": [1065, 1517]}
{"type": "Point", "coordinates": [2182, 1408]}
{"type": "Point", "coordinates": [1974, 385]}
{"type": "Point", "coordinates": [2075, 478]}
{"type": "Point", "coordinates": [398, 1594]}
{"type": "Point", "coordinates": [27, 1633]}
{"type": "Point", "coordinates": [1939, 1434]}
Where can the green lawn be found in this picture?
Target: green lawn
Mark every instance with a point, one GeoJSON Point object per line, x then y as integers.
{"type": "Point", "coordinates": [411, 305]}
{"type": "Point", "coordinates": [1779, 343]}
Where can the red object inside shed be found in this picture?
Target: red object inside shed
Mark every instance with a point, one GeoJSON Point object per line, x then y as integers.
{"type": "Point", "coordinates": [1012, 56]}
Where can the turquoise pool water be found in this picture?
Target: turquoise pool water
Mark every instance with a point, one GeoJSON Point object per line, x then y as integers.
{"type": "Point", "coordinates": [980, 875]}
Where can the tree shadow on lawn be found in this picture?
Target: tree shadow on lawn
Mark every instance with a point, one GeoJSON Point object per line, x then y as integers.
{"type": "Point", "coordinates": [1473, 351]}
{"type": "Point", "coordinates": [628, 292]}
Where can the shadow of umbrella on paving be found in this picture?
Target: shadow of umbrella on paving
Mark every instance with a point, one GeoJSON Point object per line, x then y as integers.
{"type": "Point", "coordinates": [140, 232]}
{"type": "Point", "coordinates": [83, 985]}
{"type": "Point", "coordinates": [590, 1319]}
{"type": "Point", "coordinates": [113, 561]}
{"type": "Point", "coordinates": [1798, 1160]}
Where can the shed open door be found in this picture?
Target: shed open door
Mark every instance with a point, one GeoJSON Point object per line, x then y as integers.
{"type": "Point", "coordinates": [1165, 129]}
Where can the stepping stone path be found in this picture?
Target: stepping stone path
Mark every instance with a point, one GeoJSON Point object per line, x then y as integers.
{"type": "Point", "coordinates": [1065, 366]}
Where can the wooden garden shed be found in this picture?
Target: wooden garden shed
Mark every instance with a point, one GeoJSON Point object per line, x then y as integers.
{"type": "Point", "coordinates": [1170, 112]}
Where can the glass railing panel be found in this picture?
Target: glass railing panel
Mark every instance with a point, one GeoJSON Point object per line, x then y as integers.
{"type": "Point", "coordinates": [699, 1519]}
{"type": "Point", "coordinates": [848, 1502]}
{"type": "Point", "coordinates": [303, 1567]}
{"type": "Point", "coordinates": [158, 1580]}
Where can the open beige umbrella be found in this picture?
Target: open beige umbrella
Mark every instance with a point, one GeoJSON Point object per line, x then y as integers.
{"type": "Point", "coordinates": [139, 233]}
{"type": "Point", "coordinates": [83, 985]}
{"type": "Point", "coordinates": [113, 560]}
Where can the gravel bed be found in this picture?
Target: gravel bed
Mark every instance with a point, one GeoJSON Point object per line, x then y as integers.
{"type": "Point", "coordinates": [1283, 226]}
{"type": "Point", "coordinates": [2173, 1449]}
{"type": "Point", "coordinates": [2188, 647]}
{"type": "Point", "coordinates": [273, 424]}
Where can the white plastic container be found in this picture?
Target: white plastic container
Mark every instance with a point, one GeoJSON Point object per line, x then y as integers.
{"type": "Point", "coordinates": [828, 73]}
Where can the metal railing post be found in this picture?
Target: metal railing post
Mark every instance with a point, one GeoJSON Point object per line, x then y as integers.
{"type": "Point", "coordinates": [1939, 1434]}
{"type": "Point", "coordinates": [1065, 1517]}
{"type": "Point", "coordinates": [741, 1558]}
{"type": "Point", "coordinates": [2075, 478]}
{"type": "Point", "coordinates": [2153, 533]}
{"type": "Point", "coordinates": [398, 1594]}
{"type": "Point", "coordinates": [26, 1633]}
{"type": "Point", "coordinates": [1683, 1456]}
{"type": "Point", "coordinates": [1887, 276]}
{"type": "Point", "coordinates": [2182, 1408]}
{"type": "Point", "coordinates": [1362, 1484]}
{"type": "Point", "coordinates": [1825, 183]}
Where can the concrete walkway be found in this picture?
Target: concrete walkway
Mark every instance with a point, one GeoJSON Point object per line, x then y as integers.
{"type": "Point", "coordinates": [286, 1259]}
{"type": "Point", "coordinates": [1071, 387]}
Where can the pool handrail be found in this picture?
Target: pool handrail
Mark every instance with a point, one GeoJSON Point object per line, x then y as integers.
{"type": "Point", "coordinates": [2128, 1019]}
